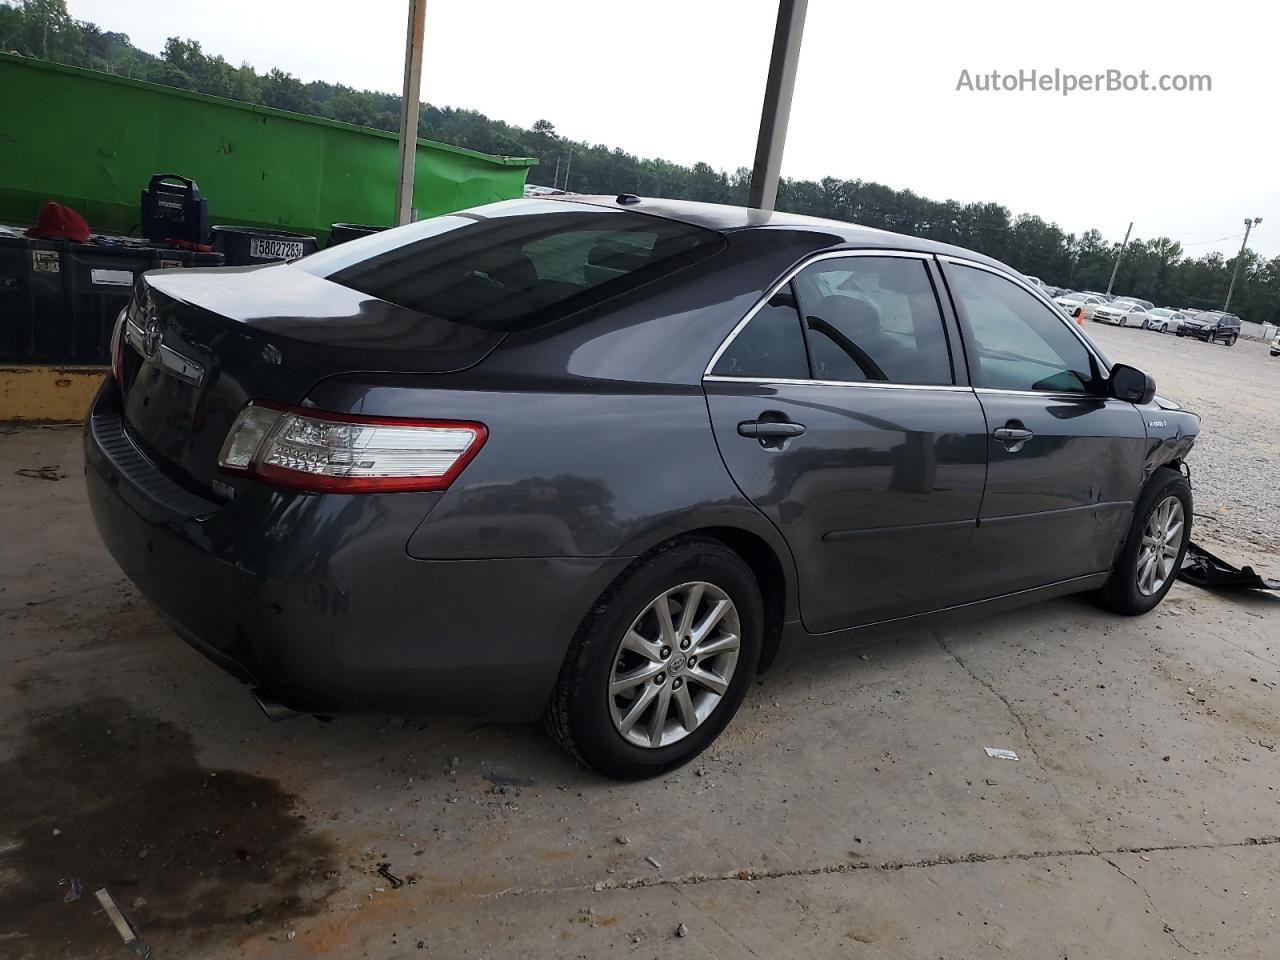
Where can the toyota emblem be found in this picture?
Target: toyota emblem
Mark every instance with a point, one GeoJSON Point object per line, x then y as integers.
{"type": "Point", "coordinates": [151, 337]}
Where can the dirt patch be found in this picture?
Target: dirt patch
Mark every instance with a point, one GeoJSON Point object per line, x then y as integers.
{"type": "Point", "coordinates": [114, 798]}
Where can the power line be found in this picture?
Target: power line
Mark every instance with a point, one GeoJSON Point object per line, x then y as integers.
{"type": "Point", "coordinates": [1195, 243]}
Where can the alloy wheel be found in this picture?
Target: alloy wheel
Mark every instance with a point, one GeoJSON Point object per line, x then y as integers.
{"type": "Point", "coordinates": [674, 664]}
{"type": "Point", "coordinates": [1161, 543]}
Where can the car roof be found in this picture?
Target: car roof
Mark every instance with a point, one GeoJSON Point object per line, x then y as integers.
{"type": "Point", "coordinates": [725, 218]}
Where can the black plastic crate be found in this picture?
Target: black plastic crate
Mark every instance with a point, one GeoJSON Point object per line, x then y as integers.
{"type": "Point", "coordinates": [59, 300]}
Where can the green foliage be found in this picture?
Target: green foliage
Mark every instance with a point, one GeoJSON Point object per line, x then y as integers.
{"type": "Point", "coordinates": [1153, 269]}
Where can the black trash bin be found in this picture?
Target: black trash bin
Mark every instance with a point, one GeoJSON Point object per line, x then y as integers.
{"type": "Point", "coordinates": [246, 246]}
{"type": "Point", "coordinates": [59, 300]}
{"type": "Point", "coordinates": [342, 232]}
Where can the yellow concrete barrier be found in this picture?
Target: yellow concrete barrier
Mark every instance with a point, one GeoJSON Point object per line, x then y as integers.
{"type": "Point", "coordinates": [48, 393]}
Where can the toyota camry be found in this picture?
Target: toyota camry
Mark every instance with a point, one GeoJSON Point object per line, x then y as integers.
{"type": "Point", "coordinates": [592, 460]}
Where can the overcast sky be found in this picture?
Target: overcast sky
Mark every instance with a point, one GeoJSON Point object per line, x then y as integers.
{"type": "Point", "coordinates": [875, 97]}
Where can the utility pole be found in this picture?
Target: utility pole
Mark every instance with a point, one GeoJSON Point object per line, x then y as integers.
{"type": "Point", "coordinates": [1116, 269]}
{"type": "Point", "coordinates": [568, 167]}
{"type": "Point", "coordinates": [775, 113]}
{"type": "Point", "coordinates": [409, 100]}
{"type": "Point", "coordinates": [1248, 225]}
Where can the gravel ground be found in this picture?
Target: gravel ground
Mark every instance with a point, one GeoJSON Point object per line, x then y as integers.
{"type": "Point", "coordinates": [1235, 466]}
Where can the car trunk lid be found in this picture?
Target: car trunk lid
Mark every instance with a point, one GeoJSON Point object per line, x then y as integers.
{"type": "Point", "coordinates": [206, 342]}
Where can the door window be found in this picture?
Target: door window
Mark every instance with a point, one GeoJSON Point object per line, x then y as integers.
{"type": "Point", "coordinates": [771, 346]}
{"type": "Point", "coordinates": [873, 319]}
{"type": "Point", "coordinates": [1016, 342]}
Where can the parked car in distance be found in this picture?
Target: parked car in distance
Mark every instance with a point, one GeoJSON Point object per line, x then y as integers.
{"type": "Point", "coordinates": [1070, 301]}
{"type": "Point", "coordinates": [1212, 326]}
{"type": "Point", "coordinates": [592, 459]}
{"type": "Point", "coordinates": [1106, 297]}
{"type": "Point", "coordinates": [1122, 311]}
{"type": "Point", "coordinates": [1164, 319]}
{"type": "Point", "coordinates": [1145, 304]}
{"type": "Point", "coordinates": [1275, 346]}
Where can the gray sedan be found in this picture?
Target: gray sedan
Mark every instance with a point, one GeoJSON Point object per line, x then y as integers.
{"type": "Point", "coordinates": [593, 459]}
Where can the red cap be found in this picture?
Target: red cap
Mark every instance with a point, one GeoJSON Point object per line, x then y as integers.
{"type": "Point", "coordinates": [57, 222]}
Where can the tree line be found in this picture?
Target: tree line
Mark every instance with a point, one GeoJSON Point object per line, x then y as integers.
{"type": "Point", "coordinates": [1155, 269]}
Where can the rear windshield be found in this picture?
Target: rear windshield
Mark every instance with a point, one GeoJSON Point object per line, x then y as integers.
{"type": "Point", "coordinates": [514, 265]}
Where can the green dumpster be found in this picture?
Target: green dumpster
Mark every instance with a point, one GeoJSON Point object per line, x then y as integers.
{"type": "Point", "coordinates": [92, 141]}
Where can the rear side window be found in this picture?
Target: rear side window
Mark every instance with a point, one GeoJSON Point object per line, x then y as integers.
{"type": "Point", "coordinates": [874, 319]}
{"type": "Point", "coordinates": [1016, 342]}
{"type": "Point", "coordinates": [514, 265]}
{"type": "Point", "coordinates": [770, 347]}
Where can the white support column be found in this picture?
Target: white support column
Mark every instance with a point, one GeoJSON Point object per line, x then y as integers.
{"type": "Point", "coordinates": [777, 103]}
{"type": "Point", "coordinates": [409, 101]}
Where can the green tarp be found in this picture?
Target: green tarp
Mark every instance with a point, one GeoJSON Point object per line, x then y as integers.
{"type": "Point", "coordinates": [92, 141]}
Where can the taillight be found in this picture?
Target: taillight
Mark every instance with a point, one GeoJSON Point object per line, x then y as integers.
{"type": "Point", "coordinates": [347, 453]}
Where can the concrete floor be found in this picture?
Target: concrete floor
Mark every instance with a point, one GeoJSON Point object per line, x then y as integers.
{"type": "Point", "coordinates": [848, 811]}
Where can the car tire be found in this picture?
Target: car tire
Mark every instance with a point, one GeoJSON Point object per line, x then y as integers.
{"type": "Point", "coordinates": [1123, 592]}
{"type": "Point", "coordinates": [1231, 341]}
{"type": "Point", "coordinates": [1124, 321]}
{"type": "Point", "coordinates": [586, 719]}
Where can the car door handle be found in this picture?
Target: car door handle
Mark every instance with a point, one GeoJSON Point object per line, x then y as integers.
{"type": "Point", "coordinates": [1013, 437]}
{"type": "Point", "coordinates": [1012, 434]}
{"type": "Point", "coordinates": [770, 429]}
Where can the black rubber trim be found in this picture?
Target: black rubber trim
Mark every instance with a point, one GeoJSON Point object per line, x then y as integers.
{"type": "Point", "coordinates": [157, 497]}
{"type": "Point", "coordinates": [1063, 511]}
{"type": "Point", "coordinates": [834, 535]}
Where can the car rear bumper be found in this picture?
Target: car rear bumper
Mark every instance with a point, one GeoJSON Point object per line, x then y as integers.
{"type": "Point", "coordinates": [314, 600]}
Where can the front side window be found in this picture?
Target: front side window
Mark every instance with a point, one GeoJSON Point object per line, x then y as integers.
{"type": "Point", "coordinates": [873, 319]}
{"type": "Point", "coordinates": [1015, 341]}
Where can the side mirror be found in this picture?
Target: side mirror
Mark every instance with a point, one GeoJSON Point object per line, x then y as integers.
{"type": "Point", "coordinates": [1131, 384]}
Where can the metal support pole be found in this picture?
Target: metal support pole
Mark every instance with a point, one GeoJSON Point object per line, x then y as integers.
{"type": "Point", "coordinates": [1248, 225]}
{"type": "Point", "coordinates": [778, 88]}
{"type": "Point", "coordinates": [409, 100]}
{"type": "Point", "coordinates": [1116, 269]}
